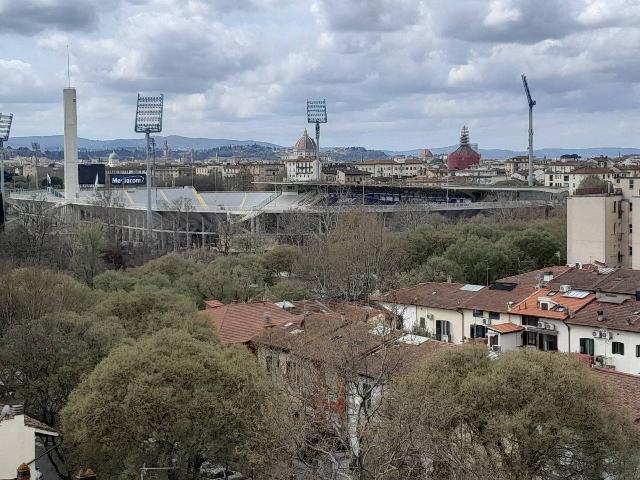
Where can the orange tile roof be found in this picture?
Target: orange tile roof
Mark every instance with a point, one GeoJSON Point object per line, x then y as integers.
{"type": "Point", "coordinates": [240, 322]}
{"type": "Point", "coordinates": [213, 303]}
{"type": "Point", "coordinates": [529, 306]}
{"type": "Point", "coordinates": [506, 327]}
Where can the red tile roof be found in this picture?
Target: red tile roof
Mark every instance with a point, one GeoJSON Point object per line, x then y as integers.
{"type": "Point", "coordinates": [505, 328]}
{"type": "Point", "coordinates": [431, 294]}
{"type": "Point", "coordinates": [38, 425]}
{"type": "Point", "coordinates": [624, 387]}
{"type": "Point", "coordinates": [240, 322]}
{"type": "Point", "coordinates": [530, 306]}
{"type": "Point", "coordinates": [623, 316]}
{"type": "Point", "coordinates": [212, 303]}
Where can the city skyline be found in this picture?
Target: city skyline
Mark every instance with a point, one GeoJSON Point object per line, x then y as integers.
{"type": "Point", "coordinates": [396, 74]}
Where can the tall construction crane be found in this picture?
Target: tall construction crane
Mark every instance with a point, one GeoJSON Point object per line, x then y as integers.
{"type": "Point", "coordinates": [531, 104]}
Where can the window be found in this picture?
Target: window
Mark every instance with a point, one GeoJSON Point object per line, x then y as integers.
{"type": "Point", "coordinates": [617, 348]}
{"type": "Point", "coordinates": [630, 207]}
{"type": "Point", "coordinates": [443, 330]}
{"type": "Point", "coordinates": [530, 321]}
{"type": "Point", "coordinates": [637, 350]}
{"type": "Point", "coordinates": [615, 207]}
{"type": "Point", "coordinates": [630, 250]}
{"type": "Point", "coordinates": [630, 228]}
{"type": "Point", "coordinates": [586, 346]}
{"type": "Point", "coordinates": [478, 331]}
{"type": "Point", "coordinates": [494, 315]}
{"type": "Point", "coordinates": [423, 323]}
{"type": "Point", "coordinates": [631, 183]}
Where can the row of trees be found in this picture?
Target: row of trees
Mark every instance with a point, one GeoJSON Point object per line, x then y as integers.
{"type": "Point", "coordinates": [139, 376]}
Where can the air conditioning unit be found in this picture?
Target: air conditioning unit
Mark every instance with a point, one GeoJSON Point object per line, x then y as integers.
{"type": "Point", "coordinates": [496, 348]}
{"type": "Point", "coordinates": [547, 326]}
{"type": "Point", "coordinates": [445, 338]}
{"type": "Point", "coordinates": [430, 316]}
{"type": "Point", "coordinates": [486, 321]}
{"type": "Point", "coordinates": [540, 324]}
{"type": "Point", "coordinates": [565, 288]}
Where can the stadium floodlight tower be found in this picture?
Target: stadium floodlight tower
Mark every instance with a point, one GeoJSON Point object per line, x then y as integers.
{"type": "Point", "coordinates": [531, 104]}
{"type": "Point", "coordinates": [317, 113]}
{"type": "Point", "coordinates": [148, 121]}
{"type": "Point", "coordinates": [5, 129]}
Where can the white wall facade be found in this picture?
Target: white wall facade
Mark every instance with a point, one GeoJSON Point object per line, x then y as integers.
{"type": "Point", "coordinates": [627, 363]}
{"type": "Point", "coordinates": [17, 443]}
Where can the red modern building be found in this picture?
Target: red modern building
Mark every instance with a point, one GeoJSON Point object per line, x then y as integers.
{"type": "Point", "coordinates": [464, 156]}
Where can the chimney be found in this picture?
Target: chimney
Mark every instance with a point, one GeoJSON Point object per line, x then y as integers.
{"type": "Point", "coordinates": [601, 315]}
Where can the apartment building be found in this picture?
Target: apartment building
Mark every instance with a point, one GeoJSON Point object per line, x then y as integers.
{"type": "Point", "coordinates": [574, 178]}
{"type": "Point", "coordinates": [393, 168]}
{"type": "Point", "coordinates": [590, 310]}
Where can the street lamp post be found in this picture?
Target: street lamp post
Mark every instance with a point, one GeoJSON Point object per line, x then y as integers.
{"type": "Point", "coordinates": [148, 121]}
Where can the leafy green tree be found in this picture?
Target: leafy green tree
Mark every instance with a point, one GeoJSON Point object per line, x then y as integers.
{"type": "Point", "coordinates": [29, 293]}
{"type": "Point", "coordinates": [88, 246]}
{"type": "Point", "coordinates": [290, 289]}
{"type": "Point", "coordinates": [534, 248]}
{"type": "Point", "coordinates": [238, 278]}
{"type": "Point", "coordinates": [435, 269]}
{"type": "Point", "coordinates": [481, 259]}
{"type": "Point", "coordinates": [144, 309]}
{"type": "Point", "coordinates": [42, 360]}
{"type": "Point", "coordinates": [526, 415]}
{"type": "Point", "coordinates": [429, 241]}
{"type": "Point", "coordinates": [281, 259]}
{"type": "Point", "coordinates": [114, 280]}
{"type": "Point", "coordinates": [168, 399]}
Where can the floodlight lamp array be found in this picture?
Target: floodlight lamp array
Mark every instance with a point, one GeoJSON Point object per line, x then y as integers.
{"type": "Point", "coordinates": [5, 126]}
{"type": "Point", "coordinates": [149, 114]}
{"type": "Point", "coordinates": [316, 111]}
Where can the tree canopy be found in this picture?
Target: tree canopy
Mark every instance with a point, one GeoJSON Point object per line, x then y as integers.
{"type": "Point", "coordinates": [168, 399]}
{"type": "Point", "coordinates": [527, 414]}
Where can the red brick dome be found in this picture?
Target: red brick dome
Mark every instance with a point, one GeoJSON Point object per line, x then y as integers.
{"type": "Point", "coordinates": [464, 156]}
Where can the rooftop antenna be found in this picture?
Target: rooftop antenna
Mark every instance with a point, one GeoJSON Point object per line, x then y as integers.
{"type": "Point", "coordinates": [148, 121]}
{"type": "Point", "coordinates": [531, 103]}
{"type": "Point", "coordinates": [317, 113]}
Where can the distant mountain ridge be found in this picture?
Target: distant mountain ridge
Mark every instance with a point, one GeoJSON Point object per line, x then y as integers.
{"type": "Point", "coordinates": [498, 154]}
{"type": "Point", "coordinates": [176, 142]}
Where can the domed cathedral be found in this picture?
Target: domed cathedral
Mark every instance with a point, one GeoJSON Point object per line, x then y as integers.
{"type": "Point", "coordinates": [464, 156]}
{"type": "Point", "coordinates": [113, 159]}
{"type": "Point", "coordinates": [305, 146]}
{"type": "Point", "coordinates": [301, 163]}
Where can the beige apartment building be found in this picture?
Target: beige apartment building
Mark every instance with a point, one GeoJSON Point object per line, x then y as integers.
{"type": "Point", "coordinates": [600, 226]}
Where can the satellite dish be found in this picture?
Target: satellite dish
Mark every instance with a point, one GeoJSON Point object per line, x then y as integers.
{"type": "Point", "coordinates": [6, 411]}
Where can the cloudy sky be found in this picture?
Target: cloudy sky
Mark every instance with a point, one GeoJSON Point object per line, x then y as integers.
{"type": "Point", "coordinates": [397, 74]}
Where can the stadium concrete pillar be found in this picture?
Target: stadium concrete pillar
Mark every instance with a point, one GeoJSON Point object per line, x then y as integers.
{"type": "Point", "coordinates": [203, 237]}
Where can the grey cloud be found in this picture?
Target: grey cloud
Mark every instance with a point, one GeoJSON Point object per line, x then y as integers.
{"type": "Point", "coordinates": [531, 22]}
{"type": "Point", "coordinates": [368, 15]}
{"type": "Point", "coordinates": [26, 17]}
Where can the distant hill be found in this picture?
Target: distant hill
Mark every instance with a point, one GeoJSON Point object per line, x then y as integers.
{"type": "Point", "coordinates": [543, 152]}
{"type": "Point", "coordinates": [176, 142]}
